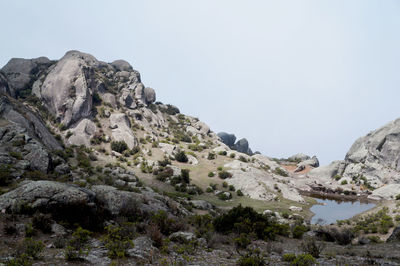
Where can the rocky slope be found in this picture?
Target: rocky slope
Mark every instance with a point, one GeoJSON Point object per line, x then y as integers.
{"type": "Point", "coordinates": [372, 163]}
{"type": "Point", "coordinates": [85, 143]}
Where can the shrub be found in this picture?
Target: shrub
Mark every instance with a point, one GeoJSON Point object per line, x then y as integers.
{"type": "Point", "coordinates": [311, 247]}
{"type": "Point", "coordinates": [242, 241]}
{"type": "Point", "coordinates": [224, 153]}
{"type": "Point", "coordinates": [252, 258]}
{"type": "Point", "coordinates": [303, 260]}
{"type": "Point", "coordinates": [398, 197]}
{"type": "Point", "coordinates": [180, 156]}
{"type": "Point", "coordinates": [224, 174]}
{"type": "Point", "coordinates": [211, 174]}
{"type": "Point", "coordinates": [42, 222]}
{"type": "Point", "coordinates": [224, 196]}
{"type": "Point", "coordinates": [232, 155]}
{"type": "Point", "coordinates": [239, 193]}
{"type": "Point", "coordinates": [224, 184]}
{"type": "Point", "coordinates": [242, 159]}
{"type": "Point", "coordinates": [280, 171]}
{"type": "Point", "coordinates": [5, 175]}
{"type": "Point", "coordinates": [299, 230]}
{"type": "Point", "coordinates": [211, 156]}
{"type": "Point", "coordinates": [289, 257]}
{"type": "Point", "coordinates": [119, 146]}
{"type": "Point", "coordinates": [337, 177]}
{"type": "Point", "coordinates": [344, 182]}
{"type": "Point", "coordinates": [117, 241]}
{"type": "Point", "coordinates": [185, 176]}
{"type": "Point", "coordinates": [231, 187]}
{"type": "Point", "coordinates": [16, 155]}
{"type": "Point", "coordinates": [77, 245]}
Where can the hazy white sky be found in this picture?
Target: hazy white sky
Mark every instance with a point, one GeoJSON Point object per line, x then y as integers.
{"type": "Point", "coordinates": [290, 76]}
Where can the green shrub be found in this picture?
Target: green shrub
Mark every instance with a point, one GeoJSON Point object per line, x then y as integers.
{"type": "Point", "coordinates": [280, 171]}
{"type": "Point", "coordinates": [299, 230]}
{"type": "Point", "coordinates": [5, 175]}
{"type": "Point", "coordinates": [119, 146]}
{"type": "Point", "coordinates": [242, 159]}
{"type": "Point", "coordinates": [289, 257]}
{"type": "Point", "coordinates": [211, 174]}
{"type": "Point", "coordinates": [303, 260]}
{"type": "Point", "coordinates": [224, 184]}
{"type": "Point", "coordinates": [117, 241]}
{"type": "Point", "coordinates": [180, 156]}
{"type": "Point", "coordinates": [224, 174]}
{"type": "Point", "coordinates": [313, 248]}
{"type": "Point", "coordinates": [242, 241]}
{"type": "Point", "coordinates": [398, 197]}
{"type": "Point", "coordinates": [77, 246]}
{"type": "Point", "coordinates": [224, 196]}
{"type": "Point", "coordinates": [29, 231]}
{"type": "Point", "coordinates": [224, 153]}
{"type": "Point", "coordinates": [344, 182]}
{"type": "Point", "coordinates": [337, 177]}
{"type": "Point", "coordinates": [16, 155]}
{"type": "Point", "coordinates": [231, 187]}
{"type": "Point", "coordinates": [211, 156]}
{"type": "Point", "coordinates": [42, 222]}
{"type": "Point", "coordinates": [232, 155]}
{"type": "Point", "coordinates": [239, 193]}
{"type": "Point", "coordinates": [252, 258]}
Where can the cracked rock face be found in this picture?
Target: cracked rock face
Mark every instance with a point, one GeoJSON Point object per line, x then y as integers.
{"type": "Point", "coordinates": [68, 89]}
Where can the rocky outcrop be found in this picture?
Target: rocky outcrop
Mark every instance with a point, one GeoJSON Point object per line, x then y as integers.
{"type": "Point", "coordinates": [227, 139]}
{"type": "Point", "coordinates": [242, 146]}
{"type": "Point", "coordinates": [16, 113]}
{"type": "Point", "coordinates": [373, 160]}
{"type": "Point", "coordinates": [121, 129]}
{"type": "Point", "coordinates": [299, 157]}
{"type": "Point", "coordinates": [82, 133]}
{"type": "Point", "coordinates": [22, 72]}
{"type": "Point", "coordinates": [4, 87]}
{"type": "Point", "coordinates": [68, 89]}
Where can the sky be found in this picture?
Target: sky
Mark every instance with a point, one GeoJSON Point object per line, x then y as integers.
{"type": "Point", "coordinates": [291, 76]}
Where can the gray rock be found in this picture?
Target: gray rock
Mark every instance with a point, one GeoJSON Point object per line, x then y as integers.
{"type": "Point", "coordinates": [68, 89]}
{"type": "Point", "coordinates": [327, 171]}
{"type": "Point", "coordinates": [110, 99]}
{"type": "Point", "coordinates": [149, 95]}
{"type": "Point", "coordinates": [182, 237]}
{"type": "Point", "coordinates": [228, 139]}
{"type": "Point", "coordinates": [4, 87]}
{"type": "Point", "coordinates": [121, 65]}
{"type": "Point", "coordinates": [58, 229]}
{"type": "Point", "coordinates": [25, 118]}
{"type": "Point", "coordinates": [299, 157]}
{"type": "Point", "coordinates": [143, 249]}
{"type": "Point", "coordinates": [82, 133]}
{"type": "Point", "coordinates": [314, 162]}
{"type": "Point", "coordinates": [123, 131]}
{"type": "Point", "coordinates": [21, 72]}
{"type": "Point", "coordinates": [202, 204]}
{"type": "Point", "coordinates": [242, 146]}
{"type": "Point", "coordinates": [47, 196]}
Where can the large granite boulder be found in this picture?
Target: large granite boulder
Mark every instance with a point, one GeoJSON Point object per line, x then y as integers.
{"type": "Point", "coordinates": [227, 139]}
{"type": "Point", "coordinates": [121, 129]}
{"type": "Point", "coordinates": [4, 87]}
{"type": "Point", "coordinates": [21, 73]}
{"type": "Point", "coordinates": [242, 146]}
{"type": "Point", "coordinates": [299, 157]}
{"type": "Point", "coordinates": [121, 65]}
{"type": "Point", "coordinates": [68, 89]}
{"type": "Point", "coordinates": [82, 133]}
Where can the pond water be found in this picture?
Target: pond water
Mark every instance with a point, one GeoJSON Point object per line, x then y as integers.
{"type": "Point", "coordinates": [328, 211]}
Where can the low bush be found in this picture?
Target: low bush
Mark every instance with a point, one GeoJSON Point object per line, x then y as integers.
{"type": "Point", "coordinates": [211, 174]}
{"type": "Point", "coordinates": [251, 258]}
{"type": "Point", "coordinates": [42, 222]}
{"type": "Point", "coordinates": [211, 156]}
{"type": "Point", "coordinates": [313, 248]}
{"type": "Point", "coordinates": [299, 230]}
{"type": "Point", "coordinates": [303, 260]}
{"type": "Point", "coordinates": [119, 146]}
{"type": "Point", "coordinates": [224, 174]}
{"type": "Point", "coordinates": [280, 171]}
{"type": "Point", "coordinates": [117, 241]}
{"type": "Point", "coordinates": [239, 193]}
{"type": "Point", "coordinates": [180, 156]}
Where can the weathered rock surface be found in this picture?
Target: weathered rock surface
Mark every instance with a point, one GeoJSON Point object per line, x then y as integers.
{"type": "Point", "coordinates": [121, 129]}
{"type": "Point", "coordinates": [68, 89]}
{"type": "Point", "coordinates": [242, 145]}
{"type": "Point", "coordinates": [21, 72]}
{"type": "Point", "coordinates": [228, 139]}
{"type": "Point", "coordinates": [299, 157]}
{"type": "Point", "coordinates": [82, 133]}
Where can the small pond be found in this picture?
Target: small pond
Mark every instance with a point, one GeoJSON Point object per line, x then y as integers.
{"type": "Point", "coordinates": [328, 211]}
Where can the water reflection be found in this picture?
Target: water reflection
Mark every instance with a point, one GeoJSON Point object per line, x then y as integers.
{"type": "Point", "coordinates": [328, 211]}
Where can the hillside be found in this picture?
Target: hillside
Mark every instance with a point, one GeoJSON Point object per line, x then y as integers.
{"type": "Point", "coordinates": [85, 145]}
